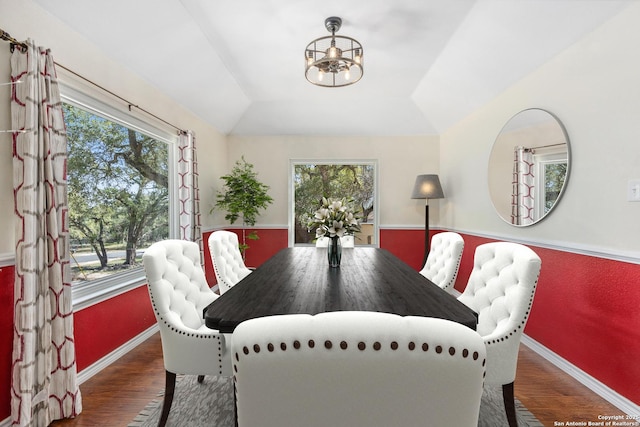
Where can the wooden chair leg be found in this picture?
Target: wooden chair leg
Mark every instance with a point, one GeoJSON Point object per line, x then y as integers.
{"type": "Point", "coordinates": [169, 388]}
{"type": "Point", "coordinates": [509, 404]}
{"type": "Point", "coordinates": [200, 379]}
{"type": "Point", "coordinates": [235, 402]}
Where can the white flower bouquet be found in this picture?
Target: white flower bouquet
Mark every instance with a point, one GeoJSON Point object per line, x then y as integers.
{"type": "Point", "coordinates": [335, 218]}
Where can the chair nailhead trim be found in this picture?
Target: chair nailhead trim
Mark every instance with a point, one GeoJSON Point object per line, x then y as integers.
{"type": "Point", "coordinates": [344, 345]}
{"type": "Point", "coordinates": [361, 345]}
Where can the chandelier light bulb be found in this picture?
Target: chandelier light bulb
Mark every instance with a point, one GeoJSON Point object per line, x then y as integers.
{"type": "Point", "coordinates": [320, 75]}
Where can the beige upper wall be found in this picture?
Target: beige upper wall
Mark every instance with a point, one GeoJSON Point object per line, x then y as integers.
{"type": "Point", "coordinates": [24, 19]}
{"type": "Point", "coordinates": [400, 159]}
{"type": "Point", "coordinates": [593, 87]}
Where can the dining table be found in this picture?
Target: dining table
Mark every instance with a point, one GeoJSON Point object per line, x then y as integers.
{"type": "Point", "coordinates": [298, 280]}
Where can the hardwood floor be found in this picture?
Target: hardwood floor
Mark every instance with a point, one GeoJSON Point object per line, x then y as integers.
{"type": "Point", "coordinates": [117, 394]}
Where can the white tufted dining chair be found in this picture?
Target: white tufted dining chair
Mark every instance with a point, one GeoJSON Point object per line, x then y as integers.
{"type": "Point", "coordinates": [228, 264]}
{"type": "Point", "coordinates": [345, 241]}
{"type": "Point", "coordinates": [348, 241]}
{"type": "Point", "coordinates": [501, 288]}
{"type": "Point", "coordinates": [443, 260]}
{"type": "Point", "coordinates": [345, 369]}
{"type": "Point", "coordinates": [322, 242]}
{"type": "Point", "coordinates": [179, 293]}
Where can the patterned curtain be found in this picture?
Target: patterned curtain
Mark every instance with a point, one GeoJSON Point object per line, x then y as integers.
{"type": "Point", "coordinates": [44, 383]}
{"type": "Point", "coordinates": [522, 199]}
{"type": "Point", "coordinates": [188, 193]}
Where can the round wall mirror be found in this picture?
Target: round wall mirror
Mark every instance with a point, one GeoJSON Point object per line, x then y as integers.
{"type": "Point", "coordinates": [529, 167]}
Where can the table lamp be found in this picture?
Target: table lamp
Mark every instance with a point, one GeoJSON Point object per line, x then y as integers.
{"type": "Point", "coordinates": [427, 187]}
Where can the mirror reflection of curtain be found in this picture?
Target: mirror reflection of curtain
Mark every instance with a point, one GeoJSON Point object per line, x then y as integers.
{"type": "Point", "coordinates": [44, 383]}
{"type": "Point", "coordinates": [522, 198]}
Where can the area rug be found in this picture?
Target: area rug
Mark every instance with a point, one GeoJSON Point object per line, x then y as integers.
{"type": "Point", "coordinates": [211, 404]}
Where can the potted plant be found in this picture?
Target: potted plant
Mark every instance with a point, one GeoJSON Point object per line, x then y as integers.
{"type": "Point", "coordinates": [242, 197]}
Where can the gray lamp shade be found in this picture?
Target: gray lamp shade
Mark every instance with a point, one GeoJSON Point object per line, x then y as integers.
{"type": "Point", "coordinates": [427, 187]}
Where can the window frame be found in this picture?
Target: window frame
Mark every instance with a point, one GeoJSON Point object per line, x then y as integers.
{"type": "Point", "coordinates": [87, 294]}
{"type": "Point", "coordinates": [540, 162]}
{"type": "Point", "coordinates": [291, 191]}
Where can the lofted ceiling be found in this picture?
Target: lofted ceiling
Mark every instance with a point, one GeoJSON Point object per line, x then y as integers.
{"type": "Point", "coordinates": [239, 65]}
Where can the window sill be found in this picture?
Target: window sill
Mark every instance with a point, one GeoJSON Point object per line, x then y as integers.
{"type": "Point", "coordinates": [87, 294]}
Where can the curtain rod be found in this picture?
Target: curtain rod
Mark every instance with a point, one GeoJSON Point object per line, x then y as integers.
{"type": "Point", "coordinates": [543, 146]}
{"type": "Point", "coordinates": [550, 145]}
{"type": "Point", "coordinates": [6, 36]}
{"type": "Point", "coordinates": [131, 105]}
{"type": "Point", "coordinates": [23, 47]}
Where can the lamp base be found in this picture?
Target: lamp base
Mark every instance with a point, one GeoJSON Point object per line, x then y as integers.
{"type": "Point", "coordinates": [426, 234]}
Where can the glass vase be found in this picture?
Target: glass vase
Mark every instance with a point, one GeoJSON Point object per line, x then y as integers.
{"type": "Point", "coordinates": [334, 251]}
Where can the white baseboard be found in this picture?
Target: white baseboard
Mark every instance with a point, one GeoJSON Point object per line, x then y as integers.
{"type": "Point", "coordinates": [110, 358]}
{"type": "Point", "coordinates": [605, 392]}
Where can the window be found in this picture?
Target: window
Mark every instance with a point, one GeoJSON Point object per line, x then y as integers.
{"type": "Point", "coordinates": [119, 190]}
{"type": "Point", "coordinates": [312, 180]}
{"type": "Point", "coordinates": [551, 173]}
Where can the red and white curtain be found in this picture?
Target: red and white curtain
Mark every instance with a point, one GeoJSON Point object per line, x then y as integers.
{"type": "Point", "coordinates": [522, 198]}
{"type": "Point", "coordinates": [188, 193]}
{"type": "Point", "coordinates": [44, 385]}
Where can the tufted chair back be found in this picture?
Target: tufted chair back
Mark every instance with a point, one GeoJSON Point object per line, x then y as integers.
{"type": "Point", "coordinates": [179, 293]}
{"type": "Point", "coordinates": [345, 241]}
{"type": "Point", "coordinates": [322, 242]}
{"type": "Point", "coordinates": [228, 264]}
{"type": "Point", "coordinates": [501, 289]}
{"type": "Point", "coordinates": [348, 241]}
{"type": "Point", "coordinates": [345, 369]}
{"type": "Point", "coordinates": [444, 258]}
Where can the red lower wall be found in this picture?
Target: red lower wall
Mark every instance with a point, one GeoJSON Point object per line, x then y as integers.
{"type": "Point", "coordinates": [102, 328]}
{"type": "Point", "coordinates": [586, 309]}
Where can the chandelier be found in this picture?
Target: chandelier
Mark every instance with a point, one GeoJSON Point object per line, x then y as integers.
{"type": "Point", "coordinates": [333, 61]}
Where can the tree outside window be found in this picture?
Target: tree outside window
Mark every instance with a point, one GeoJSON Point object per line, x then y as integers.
{"type": "Point", "coordinates": [118, 189]}
{"type": "Point", "coordinates": [314, 180]}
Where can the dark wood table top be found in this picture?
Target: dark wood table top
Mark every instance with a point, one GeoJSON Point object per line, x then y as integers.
{"type": "Point", "coordinates": [299, 280]}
